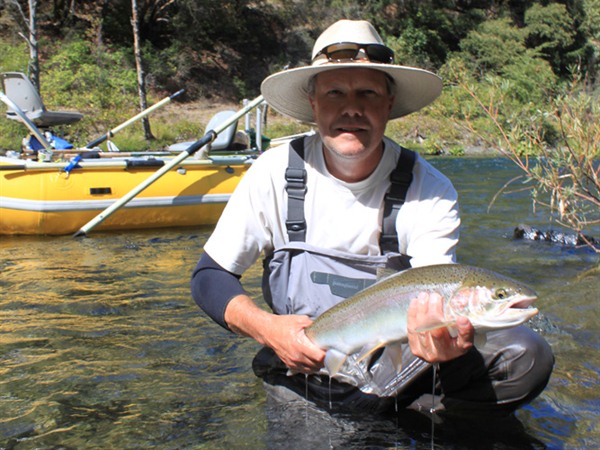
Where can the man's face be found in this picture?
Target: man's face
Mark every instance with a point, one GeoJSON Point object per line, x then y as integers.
{"type": "Point", "coordinates": [351, 108]}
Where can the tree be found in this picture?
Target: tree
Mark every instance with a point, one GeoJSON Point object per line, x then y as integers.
{"type": "Point", "coordinates": [27, 24]}
{"type": "Point", "coordinates": [562, 173]}
{"type": "Point", "coordinates": [141, 77]}
{"type": "Point", "coordinates": [550, 31]}
{"type": "Point", "coordinates": [492, 46]}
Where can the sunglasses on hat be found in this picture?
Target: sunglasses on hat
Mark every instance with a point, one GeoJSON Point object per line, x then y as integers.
{"type": "Point", "coordinates": [349, 51]}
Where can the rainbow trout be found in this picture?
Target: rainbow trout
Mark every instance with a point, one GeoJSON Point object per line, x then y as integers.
{"type": "Point", "coordinates": [377, 315]}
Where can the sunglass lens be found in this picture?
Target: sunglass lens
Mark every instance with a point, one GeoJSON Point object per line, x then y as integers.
{"type": "Point", "coordinates": [342, 52]}
{"type": "Point", "coordinates": [350, 51]}
{"type": "Point", "coordinates": [380, 53]}
{"type": "Point", "coordinates": [341, 55]}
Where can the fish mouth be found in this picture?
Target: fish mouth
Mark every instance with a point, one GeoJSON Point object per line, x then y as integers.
{"type": "Point", "coordinates": [516, 316]}
{"type": "Point", "coordinates": [523, 302]}
{"type": "Point", "coordinates": [513, 313]}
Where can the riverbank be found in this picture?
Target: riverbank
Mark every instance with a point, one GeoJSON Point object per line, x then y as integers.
{"type": "Point", "coordinates": [426, 131]}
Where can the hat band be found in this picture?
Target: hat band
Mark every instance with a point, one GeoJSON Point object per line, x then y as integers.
{"type": "Point", "coordinates": [350, 51]}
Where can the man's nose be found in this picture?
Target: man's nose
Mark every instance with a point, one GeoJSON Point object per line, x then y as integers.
{"type": "Point", "coordinates": [353, 106]}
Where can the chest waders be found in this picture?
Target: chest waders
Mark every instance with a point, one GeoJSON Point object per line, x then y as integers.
{"type": "Point", "coordinates": [299, 278]}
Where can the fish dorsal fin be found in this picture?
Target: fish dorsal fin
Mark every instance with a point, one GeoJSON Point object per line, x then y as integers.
{"type": "Point", "coordinates": [385, 272]}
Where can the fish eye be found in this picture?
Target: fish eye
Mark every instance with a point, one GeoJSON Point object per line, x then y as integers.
{"type": "Point", "coordinates": [501, 294]}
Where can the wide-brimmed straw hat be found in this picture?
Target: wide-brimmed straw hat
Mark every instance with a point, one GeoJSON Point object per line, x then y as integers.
{"type": "Point", "coordinates": [350, 44]}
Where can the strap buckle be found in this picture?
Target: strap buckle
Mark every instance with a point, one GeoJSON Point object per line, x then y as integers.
{"type": "Point", "coordinates": [295, 226]}
{"type": "Point", "coordinates": [295, 183]}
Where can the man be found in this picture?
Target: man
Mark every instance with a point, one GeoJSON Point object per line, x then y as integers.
{"type": "Point", "coordinates": [320, 212]}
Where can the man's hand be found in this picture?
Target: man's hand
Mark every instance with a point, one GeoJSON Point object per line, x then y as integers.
{"type": "Point", "coordinates": [287, 338]}
{"type": "Point", "coordinates": [284, 334]}
{"type": "Point", "coordinates": [436, 345]}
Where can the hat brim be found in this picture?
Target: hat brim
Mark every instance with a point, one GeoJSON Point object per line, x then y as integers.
{"type": "Point", "coordinates": [287, 91]}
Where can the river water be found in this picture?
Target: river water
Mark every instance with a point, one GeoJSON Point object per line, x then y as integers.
{"type": "Point", "coordinates": [101, 345]}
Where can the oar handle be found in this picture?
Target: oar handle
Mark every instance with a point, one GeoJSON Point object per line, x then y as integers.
{"type": "Point", "coordinates": [202, 142]}
{"type": "Point", "coordinates": [134, 119]}
{"type": "Point", "coordinates": [97, 141]}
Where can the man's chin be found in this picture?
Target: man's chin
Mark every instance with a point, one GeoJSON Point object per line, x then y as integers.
{"type": "Point", "coordinates": [346, 146]}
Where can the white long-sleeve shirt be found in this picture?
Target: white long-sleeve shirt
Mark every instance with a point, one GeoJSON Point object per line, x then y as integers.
{"type": "Point", "coordinates": [339, 215]}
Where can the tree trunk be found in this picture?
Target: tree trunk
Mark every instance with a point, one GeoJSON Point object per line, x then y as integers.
{"type": "Point", "coordinates": [34, 59]}
{"type": "Point", "coordinates": [135, 22]}
{"type": "Point", "coordinates": [28, 31]}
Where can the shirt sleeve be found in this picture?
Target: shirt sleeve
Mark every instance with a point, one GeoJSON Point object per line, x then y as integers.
{"type": "Point", "coordinates": [248, 223]}
{"type": "Point", "coordinates": [428, 223]}
{"type": "Point", "coordinates": [213, 288]}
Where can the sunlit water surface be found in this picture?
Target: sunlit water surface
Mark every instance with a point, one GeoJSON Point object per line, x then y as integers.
{"type": "Point", "coordinates": [101, 345]}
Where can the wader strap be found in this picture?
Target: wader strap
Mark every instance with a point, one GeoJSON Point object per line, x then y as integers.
{"type": "Point", "coordinates": [401, 177]}
{"type": "Point", "coordinates": [295, 177]}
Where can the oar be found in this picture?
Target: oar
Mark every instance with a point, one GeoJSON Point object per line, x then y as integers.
{"type": "Point", "coordinates": [19, 112]}
{"type": "Point", "coordinates": [144, 113]}
{"type": "Point", "coordinates": [210, 136]}
{"type": "Point", "coordinates": [123, 163]}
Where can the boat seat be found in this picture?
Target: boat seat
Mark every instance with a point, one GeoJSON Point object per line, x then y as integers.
{"type": "Point", "coordinates": [224, 139]}
{"type": "Point", "coordinates": [23, 93]}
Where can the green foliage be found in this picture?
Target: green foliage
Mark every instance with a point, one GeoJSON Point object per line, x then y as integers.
{"type": "Point", "coordinates": [564, 138]}
{"type": "Point", "coordinates": [15, 57]}
{"type": "Point", "coordinates": [533, 80]}
{"type": "Point", "coordinates": [426, 31]}
{"type": "Point", "coordinates": [223, 50]}
{"type": "Point", "coordinates": [456, 150]}
{"type": "Point", "coordinates": [497, 49]}
{"type": "Point", "coordinates": [11, 132]}
{"type": "Point", "coordinates": [167, 66]}
{"type": "Point", "coordinates": [591, 28]}
{"type": "Point", "coordinates": [550, 32]}
{"type": "Point", "coordinates": [240, 86]}
{"type": "Point", "coordinates": [83, 77]}
{"type": "Point", "coordinates": [566, 178]}
{"type": "Point", "coordinates": [410, 48]}
{"type": "Point", "coordinates": [492, 46]}
{"type": "Point", "coordinates": [591, 21]}
{"type": "Point", "coordinates": [549, 27]}
{"type": "Point", "coordinates": [99, 83]}
{"type": "Point", "coordinates": [285, 128]}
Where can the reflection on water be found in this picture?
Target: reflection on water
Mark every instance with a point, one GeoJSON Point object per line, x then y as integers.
{"type": "Point", "coordinates": [102, 346]}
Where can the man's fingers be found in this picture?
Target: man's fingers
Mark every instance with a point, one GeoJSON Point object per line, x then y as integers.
{"type": "Point", "coordinates": [437, 344]}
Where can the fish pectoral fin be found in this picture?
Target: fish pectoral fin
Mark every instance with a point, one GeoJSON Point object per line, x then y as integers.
{"type": "Point", "coordinates": [480, 340]}
{"type": "Point", "coordinates": [334, 360]}
{"type": "Point", "coordinates": [434, 326]}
